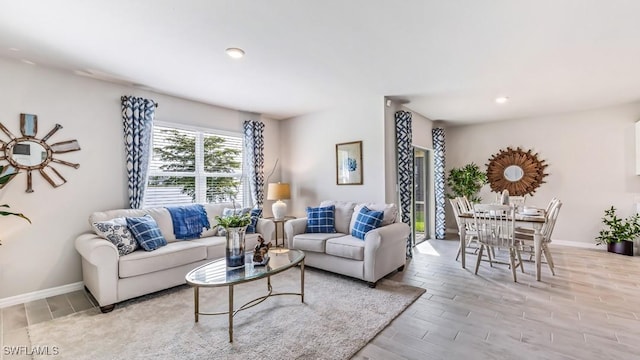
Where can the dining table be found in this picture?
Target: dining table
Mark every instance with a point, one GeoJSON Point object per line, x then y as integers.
{"type": "Point", "coordinates": [531, 221]}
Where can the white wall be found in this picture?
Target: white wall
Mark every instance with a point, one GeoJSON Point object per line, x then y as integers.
{"type": "Point", "coordinates": [42, 255]}
{"type": "Point", "coordinates": [591, 158]}
{"type": "Point", "coordinates": [309, 153]}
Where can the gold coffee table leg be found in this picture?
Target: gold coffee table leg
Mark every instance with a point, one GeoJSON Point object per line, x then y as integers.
{"type": "Point", "coordinates": [302, 280]}
{"type": "Point", "coordinates": [230, 313]}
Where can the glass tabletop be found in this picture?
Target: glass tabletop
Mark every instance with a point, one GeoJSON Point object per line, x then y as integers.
{"type": "Point", "coordinates": [216, 273]}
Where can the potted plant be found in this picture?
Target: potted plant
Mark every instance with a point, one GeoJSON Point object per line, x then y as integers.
{"type": "Point", "coordinates": [619, 233]}
{"type": "Point", "coordinates": [466, 181]}
{"type": "Point", "coordinates": [235, 226]}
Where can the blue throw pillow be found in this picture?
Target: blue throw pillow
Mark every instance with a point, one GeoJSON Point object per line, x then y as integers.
{"type": "Point", "coordinates": [321, 219]}
{"type": "Point", "coordinates": [255, 214]}
{"type": "Point", "coordinates": [146, 232]}
{"type": "Point", "coordinates": [366, 221]}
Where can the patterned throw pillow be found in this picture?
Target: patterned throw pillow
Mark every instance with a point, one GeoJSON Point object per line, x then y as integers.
{"type": "Point", "coordinates": [116, 231]}
{"type": "Point", "coordinates": [366, 221]}
{"type": "Point", "coordinates": [321, 219]}
{"type": "Point", "coordinates": [255, 215]}
{"type": "Point", "coordinates": [228, 212]}
{"type": "Point", "coordinates": [146, 232]}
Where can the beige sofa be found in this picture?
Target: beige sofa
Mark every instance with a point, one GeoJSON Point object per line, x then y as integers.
{"type": "Point", "coordinates": [112, 278]}
{"type": "Point", "coordinates": [382, 251]}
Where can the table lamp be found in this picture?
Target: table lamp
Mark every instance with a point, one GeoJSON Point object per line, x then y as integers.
{"type": "Point", "coordinates": [278, 191]}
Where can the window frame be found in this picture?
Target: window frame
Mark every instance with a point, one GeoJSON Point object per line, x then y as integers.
{"type": "Point", "coordinates": [199, 174]}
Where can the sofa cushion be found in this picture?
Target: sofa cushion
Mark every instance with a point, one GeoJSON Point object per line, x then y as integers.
{"type": "Point", "coordinates": [343, 214]}
{"type": "Point", "coordinates": [116, 231]}
{"type": "Point", "coordinates": [390, 213]}
{"type": "Point", "coordinates": [366, 221]}
{"type": "Point", "coordinates": [159, 214]}
{"type": "Point", "coordinates": [174, 254]}
{"type": "Point", "coordinates": [321, 219]}
{"type": "Point", "coordinates": [146, 232]}
{"type": "Point", "coordinates": [346, 246]}
{"type": "Point", "coordinates": [215, 246]}
{"type": "Point", "coordinates": [312, 242]}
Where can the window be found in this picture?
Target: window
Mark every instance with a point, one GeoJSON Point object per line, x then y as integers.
{"type": "Point", "coordinates": [194, 166]}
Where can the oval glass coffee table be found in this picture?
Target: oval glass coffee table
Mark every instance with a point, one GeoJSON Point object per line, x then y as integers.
{"type": "Point", "coordinates": [216, 274]}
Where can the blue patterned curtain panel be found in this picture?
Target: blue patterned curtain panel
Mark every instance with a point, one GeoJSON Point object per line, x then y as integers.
{"type": "Point", "coordinates": [438, 172]}
{"type": "Point", "coordinates": [405, 170]}
{"type": "Point", "coordinates": [137, 118]}
{"type": "Point", "coordinates": [254, 159]}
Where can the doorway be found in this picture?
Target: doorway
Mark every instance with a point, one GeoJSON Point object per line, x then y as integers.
{"type": "Point", "coordinates": [422, 194]}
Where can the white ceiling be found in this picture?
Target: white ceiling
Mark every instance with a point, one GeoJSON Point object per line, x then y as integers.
{"type": "Point", "coordinates": [449, 59]}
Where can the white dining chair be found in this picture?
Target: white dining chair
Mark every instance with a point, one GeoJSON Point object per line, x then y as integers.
{"type": "Point", "coordinates": [470, 233]}
{"type": "Point", "coordinates": [495, 226]}
{"type": "Point", "coordinates": [526, 239]}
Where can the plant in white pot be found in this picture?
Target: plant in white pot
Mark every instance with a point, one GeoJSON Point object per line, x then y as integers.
{"type": "Point", "coordinates": [618, 234]}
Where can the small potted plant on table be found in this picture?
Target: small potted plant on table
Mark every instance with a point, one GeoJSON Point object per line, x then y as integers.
{"type": "Point", "coordinates": [235, 226]}
{"type": "Point", "coordinates": [619, 233]}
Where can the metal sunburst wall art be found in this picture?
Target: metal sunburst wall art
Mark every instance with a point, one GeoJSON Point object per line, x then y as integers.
{"type": "Point", "coordinates": [518, 171]}
{"type": "Point", "coordinates": [32, 154]}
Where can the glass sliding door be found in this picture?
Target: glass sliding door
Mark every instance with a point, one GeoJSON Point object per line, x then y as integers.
{"type": "Point", "coordinates": [421, 194]}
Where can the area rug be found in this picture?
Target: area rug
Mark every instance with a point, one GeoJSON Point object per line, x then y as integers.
{"type": "Point", "coordinates": [339, 316]}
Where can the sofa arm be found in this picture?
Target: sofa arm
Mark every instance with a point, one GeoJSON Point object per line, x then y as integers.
{"type": "Point", "coordinates": [392, 239]}
{"type": "Point", "coordinates": [294, 227]}
{"type": "Point", "coordinates": [96, 250]}
{"type": "Point", "coordinates": [99, 267]}
{"type": "Point", "coordinates": [266, 228]}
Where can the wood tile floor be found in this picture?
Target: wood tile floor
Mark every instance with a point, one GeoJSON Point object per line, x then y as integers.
{"type": "Point", "coordinates": [589, 310]}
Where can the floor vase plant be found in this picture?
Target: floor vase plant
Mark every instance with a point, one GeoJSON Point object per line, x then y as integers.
{"type": "Point", "coordinates": [618, 233]}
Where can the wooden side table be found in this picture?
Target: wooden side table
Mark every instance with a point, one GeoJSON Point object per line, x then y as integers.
{"type": "Point", "coordinates": [280, 221]}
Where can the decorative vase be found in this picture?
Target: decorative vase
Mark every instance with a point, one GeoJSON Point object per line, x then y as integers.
{"type": "Point", "coordinates": [621, 247]}
{"type": "Point", "coordinates": [235, 247]}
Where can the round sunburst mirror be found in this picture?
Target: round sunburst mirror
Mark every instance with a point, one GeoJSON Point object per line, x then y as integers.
{"type": "Point", "coordinates": [519, 172]}
{"type": "Point", "coordinates": [29, 153]}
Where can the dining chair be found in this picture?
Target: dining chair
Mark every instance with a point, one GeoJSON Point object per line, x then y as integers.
{"type": "Point", "coordinates": [465, 204]}
{"type": "Point", "coordinates": [470, 232]}
{"type": "Point", "coordinates": [495, 226]}
{"type": "Point", "coordinates": [526, 239]}
{"type": "Point", "coordinates": [518, 201]}
{"type": "Point", "coordinates": [525, 230]}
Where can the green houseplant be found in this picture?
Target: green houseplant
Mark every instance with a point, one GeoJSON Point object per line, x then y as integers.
{"type": "Point", "coordinates": [618, 234]}
{"type": "Point", "coordinates": [3, 180]}
{"type": "Point", "coordinates": [466, 181]}
{"type": "Point", "coordinates": [235, 226]}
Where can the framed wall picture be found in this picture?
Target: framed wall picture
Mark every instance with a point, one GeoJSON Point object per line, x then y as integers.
{"type": "Point", "coordinates": [349, 163]}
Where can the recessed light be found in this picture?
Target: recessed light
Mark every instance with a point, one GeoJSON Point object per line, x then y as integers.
{"type": "Point", "coordinates": [502, 99]}
{"type": "Point", "coordinates": [235, 53]}
{"type": "Point", "coordinates": [13, 49]}
{"type": "Point", "coordinates": [29, 62]}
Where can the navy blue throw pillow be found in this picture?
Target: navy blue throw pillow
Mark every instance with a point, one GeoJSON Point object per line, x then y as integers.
{"type": "Point", "coordinates": [321, 219]}
{"type": "Point", "coordinates": [366, 221]}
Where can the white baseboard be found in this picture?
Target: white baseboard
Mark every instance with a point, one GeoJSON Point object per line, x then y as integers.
{"type": "Point", "coordinates": [40, 294]}
{"type": "Point", "coordinates": [578, 244]}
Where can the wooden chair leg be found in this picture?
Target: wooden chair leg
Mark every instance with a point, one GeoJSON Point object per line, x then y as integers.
{"type": "Point", "coordinates": [489, 251]}
{"type": "Point", "coordinates": [547, 255]}
{"type": "Point", "coordinates": [519, 260]}
{"type": "Point", "coordinates": [513, 265]}
{"type": "Point", "coordinates": [479, 258]}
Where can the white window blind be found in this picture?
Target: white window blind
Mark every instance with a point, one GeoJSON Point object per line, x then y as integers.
{"type": "Point", "coordinates": [194, 166]}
